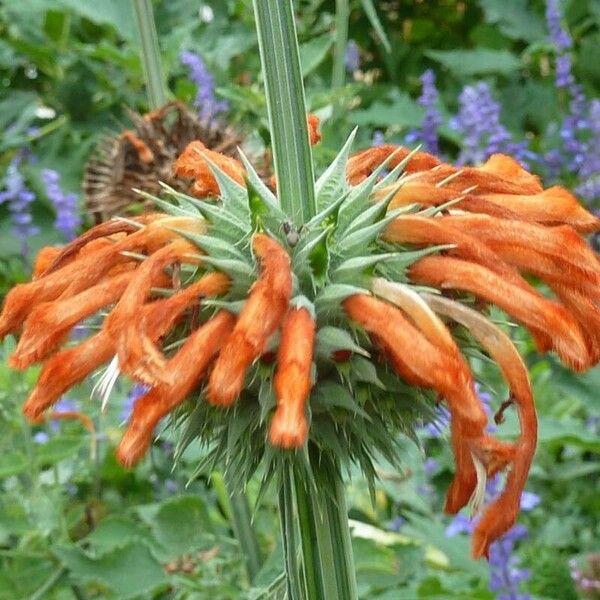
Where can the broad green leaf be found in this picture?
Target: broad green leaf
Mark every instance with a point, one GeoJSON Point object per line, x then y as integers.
{"type": "Point", "coordinates": [517, 19]}
{"type": "Point", "coordinates": [480, 61]}
{"type": "Point", "coordinates": [402, 111]}
{"type": "Point", "coordinates": [182, 525]}
{"type": "Point", "coordinates": [129, 571]}
{"type": "Point", "coordinates": [313, 52]}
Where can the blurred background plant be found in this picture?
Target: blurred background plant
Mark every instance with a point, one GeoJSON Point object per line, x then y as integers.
{"type": "Point", "coordinates": [465, 78]}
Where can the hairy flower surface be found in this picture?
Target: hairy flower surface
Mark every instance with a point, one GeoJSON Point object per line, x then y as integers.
{"type": "Point", "coordinates": [333, 335]}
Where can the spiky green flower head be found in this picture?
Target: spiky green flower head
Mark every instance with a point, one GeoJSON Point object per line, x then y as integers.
{"type": "Point", "coordinates": [358, 406]}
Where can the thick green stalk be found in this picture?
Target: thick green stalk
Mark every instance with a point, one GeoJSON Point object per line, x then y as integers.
{"type": "Point", "coordinates": [342, 14]}
{"type": "Point", "coordinates": [150, 53]}
{"type": "Point", "coordinates": [237, 510]}
{"type": "Point", "coordinates": [288, 518]}
{"type": "Point", "coordinates": [325, 537]}
{"type": "Point", "coordinates": [280, 58]}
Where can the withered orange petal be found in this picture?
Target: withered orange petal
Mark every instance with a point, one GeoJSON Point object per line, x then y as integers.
{"type": "Point", "coordinates": [362, 164]}
{"type": "Point", "coordinates": [313, 128]}
{"type": "Point", "coordinates": [66, 368]}
{"type": "Point", "coordinates": [49, 323]}
{"type": "Point", "coordinates": [526, 307]}
{"type": "Point", "coordinates": [259, 318]}
{"type": "Point", "coordinates": [562, 242]}
{"type": "Point", "coordinates": [555, 206]}
{"type": "Point", "coordinates": [187, 365]}
{"type": "Point", "coordinates": [292, 381]}
{"type": "Point", "coordinates": [191, 163]}
{"type": "Point", "coordinates": [138, 349]}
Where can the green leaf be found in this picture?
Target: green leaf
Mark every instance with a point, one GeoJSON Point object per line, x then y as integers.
{"type": "Point", "coordinates": [115, 13]}
{"type": "Point", "coordinates": [129, 571]}
{"type": "Point", "coordinates": [332, 183]}
{"type": "Point", "coordinates": [372, 15]}
{"type": "Point", "coordinates": [516, 19]}
{"type": "Point", "coordinates": [313, 52]}
{"type": "Point", "coordinates": [403, 111]}
{"type": "Point", "coordinates": [113, 532]}
{"type": "Point", "coordinates": [182, 525]}
{"type": "Point", "coordinates": [329, 339]}
{"type": "Point", "coordinates": [13, 463]}
{"type": "Point", "coordinates": [329, 395]}
{"type": "Point", "coordinates": [481, 61]}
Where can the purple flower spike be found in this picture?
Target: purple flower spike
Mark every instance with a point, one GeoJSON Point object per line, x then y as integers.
{"type": "Point", "coordinates": [352, 57]}
{"type": "Point", "coordinates": [138, 390]}
{"type": "Point", "coordinates": [19, 198]}
{"type": "Point", "coordinates": [207, 104]}
{"type": "Point", "coordinates": [483, 135]}
{"type": "Point", "coordinates": [67, 215]}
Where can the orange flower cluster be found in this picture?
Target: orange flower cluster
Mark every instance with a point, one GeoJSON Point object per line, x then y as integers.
{"type": "Point", "coordinates": [501, 225]}
{"type": "Point", "coordinates": [495, 223]}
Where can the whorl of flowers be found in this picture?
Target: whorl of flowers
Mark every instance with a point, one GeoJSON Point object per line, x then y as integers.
{"type": "Point", "coordinates": [332, 336]}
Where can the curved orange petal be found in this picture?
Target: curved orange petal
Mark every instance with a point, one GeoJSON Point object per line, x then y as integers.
{"type": "Point", "coordinates": [501, 514]}
{"type": "Point", "coordinates": [313, 128]}
{"type": "Point", "coordinates": [191, 163]}
{"type": "Point", "coordinates": [525, 306]}
{"type": "Point", "coordinates": [259, 318]}
{"type": "Point", "coordinates": [554, 206]}
{"type": "Point", "coordinates": [187, 367]}
{"type": "Point", "coordinates": [49, 323]}
{"type": "Point", "coordinates": [362, 164]}
{"type": "Point", "coordinates": [138, 352]}
{"type": "Point", "coordinates": [292, 381]}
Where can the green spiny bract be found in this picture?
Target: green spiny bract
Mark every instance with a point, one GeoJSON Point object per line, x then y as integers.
{"type": "Point", "coordinates": [357, 407]}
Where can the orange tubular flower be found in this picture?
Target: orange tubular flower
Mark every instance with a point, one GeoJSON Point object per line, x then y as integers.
{"type": "Point", "coordinates": [191, 163]}
{"type": "Point", "coordinates": [563, 329]}
{"type": "Point", "coordinates": [186, 366]}
{"type": "Point", "coordinates": [259, 319]}
{"type": "Point", "coordinates": [475, 231]}
{"type": "Point", "coordinates": [292, 382]}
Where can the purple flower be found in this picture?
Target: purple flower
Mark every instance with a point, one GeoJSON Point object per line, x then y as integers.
{"type": "Point", "coordinates": [352, 56]}
{"type": "Point", "coordinates": [460, 524]}
{"type": "Point", "coordinates": [430, 466]}
{"type": "Point", "coordinates": [559, 36]}
{"type": "Point", "coordinates": [41, 437]}
{"type": "Point", "coordinates": [396, 524]}
{"type": "Point", "coordinates": [206, 103]}
{"type": "Point", "coordinates": [505, 574]}
{"type": "Point", "coordinates": [529, 501]}
{"type": "Point", "coordinates": [19, 198]}
{"type": "Point", "coordinates": [171, 486]}
{"type": "Point", "coordinates": [67, 216]}
{"type": "Point", "coordinates": [138, 390]}
{"type": "Point", "coordinates": [440, 421]}
{"type": "Point", "coordinates": [378, 138]}
{"type": "Point", "coordinates": [427, 133]}
{"type": "Point", "coordinates": [478, 121]}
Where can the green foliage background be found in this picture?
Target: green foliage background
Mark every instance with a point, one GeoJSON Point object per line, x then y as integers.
{"type": "Point", "coordinates": [77, 526]}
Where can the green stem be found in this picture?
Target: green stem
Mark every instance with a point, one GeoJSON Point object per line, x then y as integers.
{"type": "Point", "coordinates": [150, 53]}
{"type": "Point", "coordinates": [287, 516]}
{"type": "Point", "coordinates": [241, 520]}
{"type": "Point", "coordinates": [284, 89]}
{"type": "Point", "coordinates": [342, 14]}
{"type": "Point", "coordinates": [327, 557]}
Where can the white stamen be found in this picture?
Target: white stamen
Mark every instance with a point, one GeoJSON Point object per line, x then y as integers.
{"type": "Point", "coordinates": [103, 387]}
{"type": "Point", "coordinates": [477, 499]}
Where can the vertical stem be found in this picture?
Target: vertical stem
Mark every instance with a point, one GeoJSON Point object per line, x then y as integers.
{"type": "Point", "coordinates": [150, 53]}
{"type": "Point", "coordinates": [241, 519]}
{"type": "Point", "coordinates": [342, 14]}
{"type": "Point", "coordinates": [287, 515]}
{"type": "Point", "coordinates": [280, 58]}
